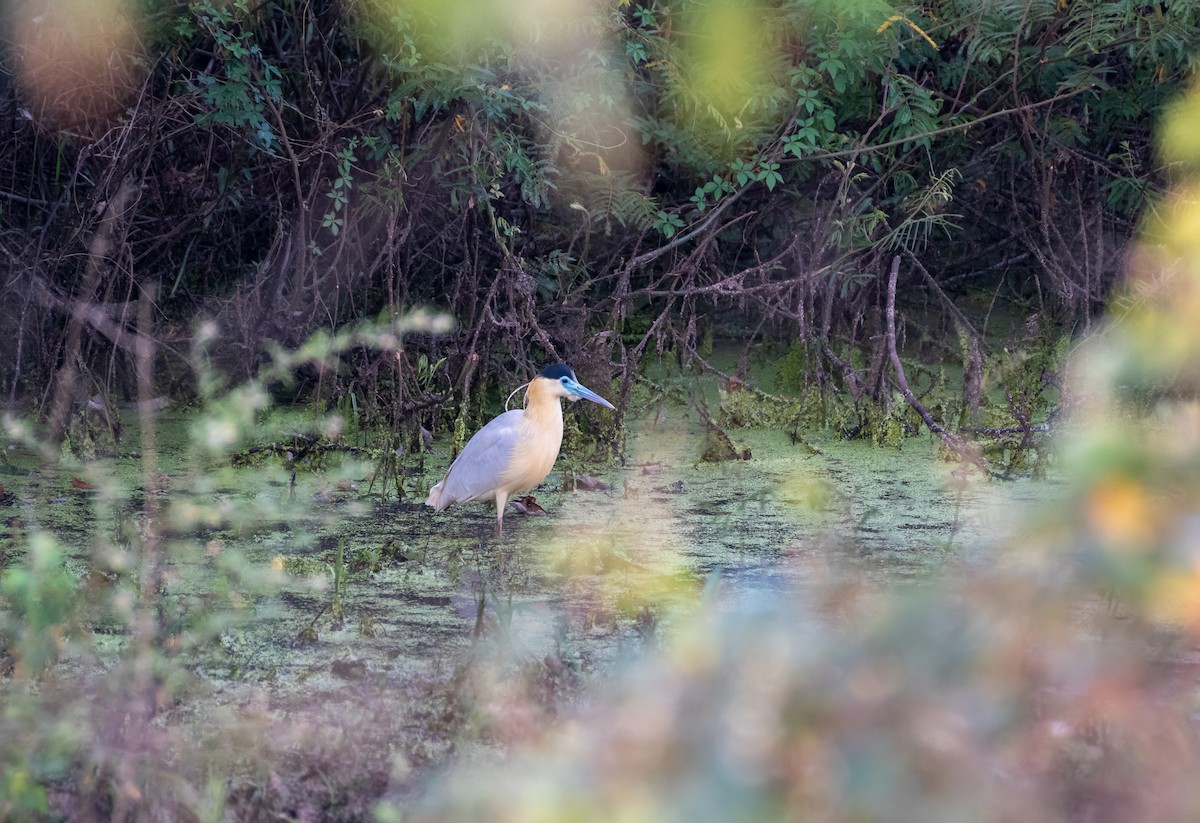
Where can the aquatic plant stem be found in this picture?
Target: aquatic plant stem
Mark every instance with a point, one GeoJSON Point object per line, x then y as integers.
{"type": "Point", "coordinates": [146, 627]}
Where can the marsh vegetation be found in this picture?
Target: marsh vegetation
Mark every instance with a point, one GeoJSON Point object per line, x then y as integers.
{"type": "Point", "coordinates": [895, 514]}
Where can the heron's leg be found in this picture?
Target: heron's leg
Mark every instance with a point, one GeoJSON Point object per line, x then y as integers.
{"type": "Point", "coordinates": [501, 502]}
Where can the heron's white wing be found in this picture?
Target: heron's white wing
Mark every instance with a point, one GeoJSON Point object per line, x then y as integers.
{"type": "Point", "coordinates": [476, 472]}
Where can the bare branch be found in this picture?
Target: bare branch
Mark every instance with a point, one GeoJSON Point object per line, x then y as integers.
{"type": "Point", "coordinates": [959, 446]}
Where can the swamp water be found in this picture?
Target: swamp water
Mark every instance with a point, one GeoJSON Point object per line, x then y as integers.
{"type": "Point", "coordinates": [373, 697]}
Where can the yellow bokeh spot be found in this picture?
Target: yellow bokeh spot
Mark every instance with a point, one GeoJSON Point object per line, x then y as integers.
{"type": "Point", "coordinates": [729, 53]}
{"type": "Point", "coordinates": [1175, 598]}
{"type": "Point", "coordinates": [1180, 141]}
{"type": "Point", "coordinates": [1181, 220]}
{"type": "Point", "coordinates": [1119, 511]}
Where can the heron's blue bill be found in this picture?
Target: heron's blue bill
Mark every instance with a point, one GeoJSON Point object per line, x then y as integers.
{"type": "Point", "coordinates": [580, 390]}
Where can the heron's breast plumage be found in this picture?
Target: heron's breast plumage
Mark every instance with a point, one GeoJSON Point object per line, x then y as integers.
{"type": "Point", "coordinates": [537, 447]}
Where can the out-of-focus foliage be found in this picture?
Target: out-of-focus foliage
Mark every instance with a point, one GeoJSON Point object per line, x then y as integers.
{"type": "Point", "coordinates": [76, 63]}
{"type": "Point", "coordinates": [1139, 531]}
{"type": "Point", "coordinates": [929, 708]}
{"type": "Point", "coordinates": [105, 632]}
{"type": "Point", "coordinates": [1057, 683]}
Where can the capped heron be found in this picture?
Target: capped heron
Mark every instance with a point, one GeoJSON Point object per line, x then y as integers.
{"type": "Point", "coordinates": [516, 450]}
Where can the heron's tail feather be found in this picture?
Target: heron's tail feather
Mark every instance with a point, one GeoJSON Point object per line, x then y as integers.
{"type": "Point", "coordinates": [435, 497]}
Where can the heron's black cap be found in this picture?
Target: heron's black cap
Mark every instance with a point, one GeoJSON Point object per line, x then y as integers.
{"type": "Point", "coordinates": [557, 370]}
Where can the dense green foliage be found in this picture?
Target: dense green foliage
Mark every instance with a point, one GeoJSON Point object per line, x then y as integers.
{"type": "Point", "coordinates": [546, 175]}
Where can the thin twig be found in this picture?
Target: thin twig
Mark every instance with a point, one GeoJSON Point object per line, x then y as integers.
{"type": "Point", "coordinates": [946, 130]}
{"type": "Point", "coordinates": [654, 254]}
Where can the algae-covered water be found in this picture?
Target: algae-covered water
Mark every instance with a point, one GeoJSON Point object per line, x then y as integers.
{"type": "Point", "coordinates": [368, 666]}
{"type": "Point", "coordinates": [661, 525]}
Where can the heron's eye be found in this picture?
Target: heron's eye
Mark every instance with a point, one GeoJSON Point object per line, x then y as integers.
{"type": "Point", "coordinates": [563, 380]}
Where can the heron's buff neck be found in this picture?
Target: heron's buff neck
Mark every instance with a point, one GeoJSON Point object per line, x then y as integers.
{"type": "Point", "coordinates": [541, 402]}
